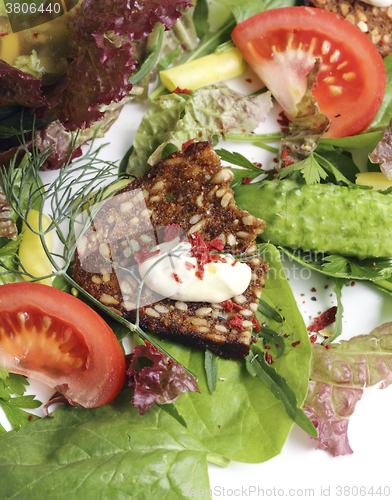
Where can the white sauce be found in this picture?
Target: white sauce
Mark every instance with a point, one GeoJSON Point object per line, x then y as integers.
{"type": "Point", "coordinates": [221, 281]}
{"type": "Point", "coordinates": [379, 3]}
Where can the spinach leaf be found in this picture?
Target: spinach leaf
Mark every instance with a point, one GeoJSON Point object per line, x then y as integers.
{"type": "Point", "coordinates": [106, 452]}
{"type": "Point", "coordinates": [243, 410]}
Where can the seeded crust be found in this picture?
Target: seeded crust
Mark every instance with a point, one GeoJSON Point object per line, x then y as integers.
{"type": "Point", "coordinates": [376, 22]}
{"type": "Point", "coordinates": [190, 189]}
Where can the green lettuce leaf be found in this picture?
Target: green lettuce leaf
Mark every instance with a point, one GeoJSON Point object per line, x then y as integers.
{"type": "Point", "coordinates": [106, 452]}
{"type": "Point", "coordinates": [176, 119]}
{"type": "Point", "coordinates": [337, 379]}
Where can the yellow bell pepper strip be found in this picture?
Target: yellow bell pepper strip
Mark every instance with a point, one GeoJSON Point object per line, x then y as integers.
{"type": "Point", "coordinates": [31, 251]}
{"type": "Point", "coordinates": [377, 180]}
{"type": "Point", "coordinates": [203, 71]}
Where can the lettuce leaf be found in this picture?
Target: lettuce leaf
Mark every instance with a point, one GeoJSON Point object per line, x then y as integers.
{"type": "Point", "coordinates": [338, 377]}
{"type": "Point", "coordinates": [176, 119]}
{"type": "Point", "coordinates": [103, 57]}
{"type": "Point", "coordinates": [107, 452]}
{"type": "Point", "coordinates": [161, 383]}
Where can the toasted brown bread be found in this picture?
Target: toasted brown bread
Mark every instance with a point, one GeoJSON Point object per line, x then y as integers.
{"type": "Point", "coordinates": [192, 190]}
{"type": "Point", "coordinates": [376, 22]}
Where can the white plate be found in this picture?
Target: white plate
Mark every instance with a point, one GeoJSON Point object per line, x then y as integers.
{"type": "Point", "coordinates": [300, 470]}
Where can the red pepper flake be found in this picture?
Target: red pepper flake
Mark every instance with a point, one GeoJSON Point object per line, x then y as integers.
{"type": "Point", "coordinates": [215, 245]}
{"type": "Point", "coordinates": [326, 318]}
{"type": "Point", "coordinates": [284, 154]}
{"type": "Point", "coordinates": [246, 180]}
{"type": "Point", "coordinates": [237, 321]}
{"type": "Point", "coordinates": [275, 159]}
{"type": "Point", "coordinates": [256, 324]}
{"type": "Point", "coordinates": [269, 358]}
{"type": "Point", "coordinates": [326, 286]}
{"type": "Point", "coordinates": [373, 265]}
{"type": "Point", "coordinates": [200, 252]}
{"type": "Point", "coordinates": [234, 263]}
{"type": "Point", "coordinates": [381, 42]}
{"type": "Point", "coordinates": [181, 91]}
{"type": "Point", "coordinates": [287, 163]}
{"type": "Point", "coordinates": [267, 347]}
{"type": "Point", "coordinates": [35, 35]}
{"type": "Point", "coordinates": [218, 258]}
{"type": "Point", "coordinates": [277, 345]}
{"type": "Point", "coordinates": [171, 232]}
{"type": "Point", "coordinates": [313, 290]}
{"type": "Point", "coordinates": [249, 80]}
{"type": "Point", "coordinates": [189, 266]}
{"type": "Point", "coordinates": [3, 34]}
{"type": "Point", "coordinates": [31, 418]}
{"type": "Point", "coordinates": [243, 130]}
{"type": "Point", "coordinates": [187, 144]}
{"type": "Point", "coordinates": [328, 346]}
{"type": "Point", "coordinates": [302, 295]}
{"type": "Point", "coordinates": [313, 339]}
{"type": "Point", "coordinates": [177, 278]}
{"type": "Point", "coordinates": [352, 283]}
{"type": "Point", "coordinates": [142, 310]}
{"type": "Point", "coordinates": [229, 306]}
{"type": "Point", "coordinates": [294, 344]}
{"type": "Point", "coordinates": [257, 164]}
{"type": "Point", "coordinates": [144, 254]}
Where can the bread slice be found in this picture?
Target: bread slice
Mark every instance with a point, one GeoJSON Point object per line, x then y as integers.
{"type": "Point", "coordinates": [375, 22]}
{"type": "Point", "coordinates": [192, 190]}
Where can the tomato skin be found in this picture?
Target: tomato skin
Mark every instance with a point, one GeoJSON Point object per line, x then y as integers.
{"type": "Point", "coordinates": [53, 337]}
{"type": "Point", "coordinates": [281, 46]}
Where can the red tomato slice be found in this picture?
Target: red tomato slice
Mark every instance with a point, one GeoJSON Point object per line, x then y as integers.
{"type": "Point", "coordinates": [51, 336]}
{"type": "Point", "coordinates": [281, 46]}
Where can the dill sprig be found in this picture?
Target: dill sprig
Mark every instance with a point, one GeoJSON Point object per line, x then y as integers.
{"type": "Point", "coordinates": [80, 188]}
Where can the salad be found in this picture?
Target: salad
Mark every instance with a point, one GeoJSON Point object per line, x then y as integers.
{"type": "Point", "coordinates": [112, 451]}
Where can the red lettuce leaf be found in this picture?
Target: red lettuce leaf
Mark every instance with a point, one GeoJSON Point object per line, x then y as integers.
{"type": "Point", "coordinates": [17, 87]}
{"type": "Point", "coordinates": [338, 376]}
{"type": "Point", "coordinates": [103, 57]}
{"type": "Point", "coordinates": [161, 383]}
{"type": "Point", "coordinates": [103, 54]}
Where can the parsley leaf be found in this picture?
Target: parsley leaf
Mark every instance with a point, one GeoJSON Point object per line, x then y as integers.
{"type": "Point", "coordinates": [12, 400]}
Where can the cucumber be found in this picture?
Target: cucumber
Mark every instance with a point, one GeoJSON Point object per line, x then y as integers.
{"type": "Point", "coordinates": [322, 218]}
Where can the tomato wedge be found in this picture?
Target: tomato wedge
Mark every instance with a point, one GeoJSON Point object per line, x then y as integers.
{"type": "Point", "coordinates": [281, 46]}
{"type": "Point", "coordinates": [53, 337]}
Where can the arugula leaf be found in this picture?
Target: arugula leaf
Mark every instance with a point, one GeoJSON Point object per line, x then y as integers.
{"type": "Point", "coordinates": [269, 337]}
{"type": "Point", "coordinates": [200, 18]}
{"type": "Point", "coordinates": [238, 159]}
{"type": "Point", "coordinates": [109, 451]}
{"type": "Point", "coordinates": [258, 367]}
{"type": "Point", "coordinates": [269, 311]}
{"type": "Point", "coordinates": [211, 367]}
